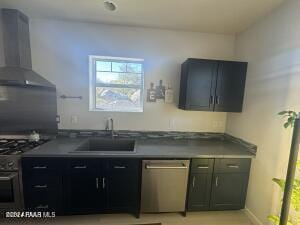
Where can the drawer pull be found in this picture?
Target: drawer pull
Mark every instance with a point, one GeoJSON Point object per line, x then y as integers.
{"type": "Point", "coordinates": [232, 166]}
{"type": "Point", "coordinates": [119, 167]}
{"type": "Point", "coordinates": [40, 167]}
{"type": "Point", "coordinates": [194, 180]}
{"type": "Point", "coordinates": [41, 186]}
{"type": "Point", "coordinates": [217, 181]}
{"type": "Point", "coordinates": [103, 183]}
{"type": "Point", "coordinates": [80, 167]}
{"type": "Point", "coordinates": [97, 183]}
{"type": "Point", "coordinates": [203, 167]}
{"type": "Point", "coordinates": [42, 207]}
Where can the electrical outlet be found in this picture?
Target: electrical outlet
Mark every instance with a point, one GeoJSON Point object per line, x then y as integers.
{"type": "Point", "coordinates": [171, 123]}
{"type": "Point", "coordinates": [217, 124]}
{"type": "Point", "coordinates": [74, 119]}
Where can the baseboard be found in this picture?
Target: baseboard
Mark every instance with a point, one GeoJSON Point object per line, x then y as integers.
{"type": "Point", "coordinates": [252, 217]}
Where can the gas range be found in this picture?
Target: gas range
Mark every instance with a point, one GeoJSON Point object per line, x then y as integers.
{"type": "Point", "coordinates": [12, 149]}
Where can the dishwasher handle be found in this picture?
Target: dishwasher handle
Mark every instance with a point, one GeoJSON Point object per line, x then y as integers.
{"type": "Point", "coordinates": [166, 166]}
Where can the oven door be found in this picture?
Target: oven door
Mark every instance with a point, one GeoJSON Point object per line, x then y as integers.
{"type": "Point", "coordinates": [10, 197]}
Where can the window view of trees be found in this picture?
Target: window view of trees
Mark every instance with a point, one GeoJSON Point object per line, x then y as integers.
{"type": "Point", "coordinates": [118, 85]}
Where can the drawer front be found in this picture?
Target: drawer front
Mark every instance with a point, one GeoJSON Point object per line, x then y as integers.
{"type": "Point", "coordinates": [41, 202]}
{"type": "Point", "coordinates": [232, 165]}
{"type": "Point", "coordinates": [42, 183]}
{"type": "Point", "coordinates": [43, 194]}
{"type": "Point", "coordinates": [41, 165]}
{"type": "Point", "coordinates": [202, 165]}
{"type": "Point", "coordinates": [79, 166]}
{"type": "Point", "coordinates": [123, 164]}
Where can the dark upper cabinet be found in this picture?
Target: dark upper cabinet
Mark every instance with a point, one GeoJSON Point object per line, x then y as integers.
{"type": "Point", "coordinates": [230, 86]}
{"type": "Point", "coordinates": [212, 85]}
{"type": "Point", "coordinates": [196, 91]}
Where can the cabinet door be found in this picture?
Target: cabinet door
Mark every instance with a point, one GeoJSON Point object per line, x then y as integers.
{"type": "Point", "coordinates": [230, 86]}
{"type": "Point", "coordinates": [199, 191]}
{"type": "Point", "coordinates": [123, 185]}
{"type": "Point", "coordinates": [84, 187]}
{"type": "Point", "coordinates": [229, 191]}
{"type": "Point", "coordinates": [200, 88]}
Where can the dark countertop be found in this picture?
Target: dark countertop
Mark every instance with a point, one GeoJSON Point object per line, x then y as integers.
{"type": "Point", "coordinates": [150, 148]}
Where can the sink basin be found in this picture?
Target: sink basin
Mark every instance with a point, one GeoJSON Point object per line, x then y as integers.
{"type": "Point", "coordinates": [107, 145]}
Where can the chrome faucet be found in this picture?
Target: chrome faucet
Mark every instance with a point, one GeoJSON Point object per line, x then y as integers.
{"type": "Point", "coordinates": [112, 132]}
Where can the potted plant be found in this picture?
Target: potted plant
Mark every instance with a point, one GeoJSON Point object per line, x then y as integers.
{"type": "Point", "coordinates": [294, 217]}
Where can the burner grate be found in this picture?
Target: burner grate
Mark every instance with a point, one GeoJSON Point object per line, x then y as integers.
{"type": "Point", "coordinates": [18, 146]}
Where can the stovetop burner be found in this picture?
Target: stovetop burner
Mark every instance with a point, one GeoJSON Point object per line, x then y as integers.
{"type": "Point", "coordinates": [18, 146]}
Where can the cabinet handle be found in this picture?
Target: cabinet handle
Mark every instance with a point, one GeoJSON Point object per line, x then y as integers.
{"type": "Point", "coordinates": [194, 180]}
{"type": "Point", "coordinates": [103, 183]}
{"type": "Point", "coordinates": [211, 100]}
{"type": "Point", "coordinates": [232, 166]}
{"type": "Point", "coordinates": [119, 167]}
{"type": "Point", "coordinates": [217, 181]}
{"type": "Point", "coordinates": [203, 167]}
{"type": "Point", "coordinates": [97, 182]}
{"type": "Point", "coordinates": [41, 186]}
{"type": "Point", "coordinates": [80, 167]}
{"type": "Point", "coordinates": [217, 100]}
{"type": "Point", "coordinates": [42, 207]}
{"type": "Point", "coordinates": [39, 167]}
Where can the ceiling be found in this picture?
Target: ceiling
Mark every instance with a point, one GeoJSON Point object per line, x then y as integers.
{"type": "Point", "coordinates": [211, 16]}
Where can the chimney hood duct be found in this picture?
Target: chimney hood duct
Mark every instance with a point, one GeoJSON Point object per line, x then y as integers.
{"type": "Point", "coordinates": [15, 52]}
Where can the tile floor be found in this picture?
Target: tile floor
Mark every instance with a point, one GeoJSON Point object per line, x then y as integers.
{"type": "Point", "coordinates": [195, 218]}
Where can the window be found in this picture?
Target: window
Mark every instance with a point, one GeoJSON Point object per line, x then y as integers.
{"type": "Point", "coordinates": [116, 84]}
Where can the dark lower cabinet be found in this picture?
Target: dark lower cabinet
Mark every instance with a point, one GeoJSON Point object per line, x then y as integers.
{"type": "Point", "coordinates": [82, 195]}
{"type": "Point", "coordinates": [229, 191]}
{"type": "Point", "coordinates": [42, 184]}
{"type": "Point", "coordinates": [102, 186]}
{"type": "Point", "coordinates": [218, 184]}
{"type": "Point", "coordinates": [82, 186]}
{"type": "Point", "coordinates": [199, 192]}
{"type": "Point", "coordinates": [123, 185]}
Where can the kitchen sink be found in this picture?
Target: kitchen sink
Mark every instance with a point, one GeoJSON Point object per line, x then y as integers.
{"type": "Point", "coordinates": [107, 146]}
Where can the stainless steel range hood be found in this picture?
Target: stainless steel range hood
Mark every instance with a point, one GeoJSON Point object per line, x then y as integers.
{"type": "Point", "coordinates": [15, 52]}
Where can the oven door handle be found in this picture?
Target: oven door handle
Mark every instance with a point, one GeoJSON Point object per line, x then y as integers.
{"type": "Point", "coordinates": [7, 177]}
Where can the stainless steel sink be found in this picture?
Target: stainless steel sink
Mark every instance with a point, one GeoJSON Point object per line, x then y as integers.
{"type": "Point", "coordinates": [109, 146]}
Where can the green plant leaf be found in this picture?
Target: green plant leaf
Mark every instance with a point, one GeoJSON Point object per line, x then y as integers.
{"type": "Point", "coordinates": [274, 219]}
{"type": "Point", "coordinates": [295, 200]}
{"type": "Point", "coordinates": [282, 113]}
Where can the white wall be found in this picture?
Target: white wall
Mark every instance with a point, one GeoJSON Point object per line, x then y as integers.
{"type": "Point", "coordinates": [60, 53]}
{"type": "Point", "coordinates": [272, 48]}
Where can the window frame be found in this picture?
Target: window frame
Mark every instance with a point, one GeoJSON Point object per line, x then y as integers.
{"type": "Point", "coordinates": [93, 82]}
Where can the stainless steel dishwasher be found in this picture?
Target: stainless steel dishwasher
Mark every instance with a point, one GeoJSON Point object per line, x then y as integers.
{"type": "Point", "coordinates": [164, 185]}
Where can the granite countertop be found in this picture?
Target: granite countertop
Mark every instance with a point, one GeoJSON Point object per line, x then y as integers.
{"type": "Point", "coordinates": [150, 148]}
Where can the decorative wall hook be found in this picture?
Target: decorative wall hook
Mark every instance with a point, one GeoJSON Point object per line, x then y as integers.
{"type": "Point", "coordinates": [70, 97]}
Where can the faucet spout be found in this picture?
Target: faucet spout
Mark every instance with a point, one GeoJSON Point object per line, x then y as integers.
{"type": "Point", "coordinates": [112, 131]}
